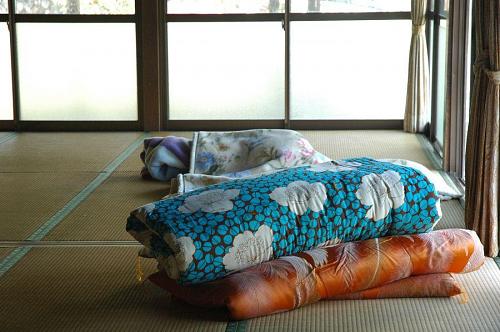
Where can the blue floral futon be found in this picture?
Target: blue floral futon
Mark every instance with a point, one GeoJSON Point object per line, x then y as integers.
{"type": "Point", "coordinates": [207, 233]}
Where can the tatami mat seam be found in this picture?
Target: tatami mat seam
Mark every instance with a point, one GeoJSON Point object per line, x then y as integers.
{"type": "Point", "coordinates": [17, 254]}
{"type": "Point", "coordinates": [7, 137]}
{"type": "Point", "coordinates": [237, 326]}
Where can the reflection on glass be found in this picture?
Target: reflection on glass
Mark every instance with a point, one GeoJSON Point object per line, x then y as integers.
{"type": "Point", "coordinates": [230, 70]}
{"type": "Point", "coordinates": [225, 6]}
{"type": "Point", "coordinates": [349, 6]}
{"type": "Point", "coordinates": [441, 81]}
{"type": "Point", "coordinates": [75, 7]}
{"type": "Point", "coordinates": [77, 71]}
{"type": "Point", "coordinates": [349, 69]}
{"type": "Point", "coordinates": [4, 9]}
{"type": "Point", "coordinates": [6, 110]}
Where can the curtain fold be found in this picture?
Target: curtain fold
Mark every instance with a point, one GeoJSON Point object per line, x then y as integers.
{"type": "Point", "coordinates": [417, 94]}
{"type": "Point", "coordinates": [449, 141]}
{"type": "Point", "coordinates": [482, 154]}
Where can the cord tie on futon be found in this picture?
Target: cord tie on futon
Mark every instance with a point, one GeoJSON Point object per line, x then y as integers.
{"type": "Point", "coordinates": [139, 274]}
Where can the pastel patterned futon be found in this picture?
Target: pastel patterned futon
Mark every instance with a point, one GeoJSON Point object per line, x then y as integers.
{"type": "Point", "coordinates": [210, 232]}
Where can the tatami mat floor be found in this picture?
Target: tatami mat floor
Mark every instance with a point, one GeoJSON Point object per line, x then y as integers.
{"type": "Point", "coordinates": [68, 195]}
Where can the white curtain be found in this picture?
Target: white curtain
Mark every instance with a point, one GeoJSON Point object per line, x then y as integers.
{"type": "Point", "coordinates": [417, 94]}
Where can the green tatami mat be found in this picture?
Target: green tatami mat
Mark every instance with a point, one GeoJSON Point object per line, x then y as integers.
{"type": "Point", "coordinates": [103, 215]}
{"type": "Point", "coordinates": [28, 200]}
{"type": "Point", "coordinates": [453, 215]}
{"type": "Point", "coordinates": [62, 152]}
{"type": "Point", "coordinates": [386, 144]}
{"type": "Point", "coordinates": [92, 289]}
{"type": "Point", "coordinates": [480, 313]}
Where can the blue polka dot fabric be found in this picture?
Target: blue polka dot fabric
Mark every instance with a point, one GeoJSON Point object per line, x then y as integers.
{"type": "Point", "coordinates": [207, 233]}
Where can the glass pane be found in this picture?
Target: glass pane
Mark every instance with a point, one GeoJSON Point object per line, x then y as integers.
{"type": "Point", "coordinates": [4, 8]}
{"type": "Point", "coordinates": [349, 6]}
{"type": "Point", "coordinates": [349, 69]}
{"type": "Point", "coordinates": [77, 71]}
{"type": "Point", "coordinates": [230, 70]}
{"type": "Point", "coordinates": [6, 110]}
{"type": "Point", "coordinates": [431, 5]}
{"type": "Point", "coordinates": [441, 80]}
{"type": "Point", "coordinates": [445, 5]}
{"type": "Point", "coordinates": [225, 6]}
{"type": "Point", "coordinates": [75, 7]}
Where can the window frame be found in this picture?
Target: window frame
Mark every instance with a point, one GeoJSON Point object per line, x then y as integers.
{"type": "Point", "coordinates": [434, 15]}
{"type": "Point", "coordinates": [49, 125]}
{"type": "Point", "coordinates": [286, 17]}
{"type": "Point", "coordinates": [150, 20]}
{"type": "Point", "coordinates": [458, 72]}
{"type": "Point", "coordinates": [6, 18]}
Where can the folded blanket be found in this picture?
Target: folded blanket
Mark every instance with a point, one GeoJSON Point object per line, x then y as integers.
{"type": "Point", "coordinates": [232, 154]}
{"type": "Point", "coordinates": [208, 233]}
{"type": "Point", "coordinates": [165, 157]}
{"type": "Point", "coordinates": [374, 268]}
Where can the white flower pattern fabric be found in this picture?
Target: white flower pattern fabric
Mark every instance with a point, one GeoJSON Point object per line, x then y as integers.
{"type": "Point", "coordinates": [382, 192]}
{"type": "Point", "coordinates": [300, 196]}
{"type": "Point", "coordinates": [250, 249]}
{"type": "Point", "coordinates": [183, 249]}
{"type": "Point", "coordinates": [211, 201]}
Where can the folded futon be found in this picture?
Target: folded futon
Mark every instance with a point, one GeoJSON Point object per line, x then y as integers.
{"type": "Point", "coordinates": [397, 266]}
{"type": "Point", "coordinates": [208, 233]}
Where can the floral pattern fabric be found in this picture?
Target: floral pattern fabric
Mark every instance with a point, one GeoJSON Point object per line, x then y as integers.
{"type": "Point", "coordinates": [250, 152]}
{"type": "Point", "coordinates": [247, 221]}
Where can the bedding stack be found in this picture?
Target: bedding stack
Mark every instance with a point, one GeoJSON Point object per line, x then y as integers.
{"type": "Point", "coordinates": [263, 223]}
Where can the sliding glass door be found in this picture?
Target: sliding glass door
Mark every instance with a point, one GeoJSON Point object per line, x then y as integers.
{"type": "Point", "coordinates": [294, 63]}
{"type": "Point", "coordinates": [225, 62]}
{"type": "Point", "coordinates": [74, 64]}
